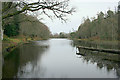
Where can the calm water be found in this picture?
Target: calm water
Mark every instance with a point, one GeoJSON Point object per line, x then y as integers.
{"type": "Point", "coordinates": [55, 58]}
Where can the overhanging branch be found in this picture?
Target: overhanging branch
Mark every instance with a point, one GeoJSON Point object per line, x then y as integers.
{"type": "Point", "coordinates": [58, 8]}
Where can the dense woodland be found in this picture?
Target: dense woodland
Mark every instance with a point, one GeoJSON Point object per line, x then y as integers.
{"type": "Point", "coordinates": [24, 25]}
{"type": "Point", "coordinates": [17, 22]}
{"type": "Point", "coordinates": [104, 27]}
{"type": "Point", "coordinates": [34, 28]}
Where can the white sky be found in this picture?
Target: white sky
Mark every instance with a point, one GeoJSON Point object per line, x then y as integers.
{"type": "Point", "coordinates": [84, 8]}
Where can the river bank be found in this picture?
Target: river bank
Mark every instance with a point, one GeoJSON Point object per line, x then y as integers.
{"type": "Point", "coordinates": [43, 59]}
{"type": "Point", "coordinates": [101, 44]}
{"type": "Point", "coordinates": [112, 42]}
{"type": "Point", "coordinates": [109, 49]}
{"type": "Point", "coordinates": [9, 44]}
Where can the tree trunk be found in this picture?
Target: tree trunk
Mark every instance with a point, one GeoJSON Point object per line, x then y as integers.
{"type": "Point", "coordinates": [1, 38]}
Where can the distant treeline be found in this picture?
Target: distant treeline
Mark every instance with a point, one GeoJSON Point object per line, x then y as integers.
{"type": "Point", "coordinates": [104, 27]}
{"type": "Point", "coordinates": [60, 35]}
{"type": "Point", "coordinates": [24, 25]}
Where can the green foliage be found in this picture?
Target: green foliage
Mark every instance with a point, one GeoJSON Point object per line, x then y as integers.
{"type": "Point", "coordinates": [22, 24]}
{"type": "Point", "coordinates": [11, 30]}
{"type": "Point", "coordinates": [72, 34]}
{"type": "Point", "coordinates": [6, 39]}
{"type": "Point", "coordinates": [10, 25]}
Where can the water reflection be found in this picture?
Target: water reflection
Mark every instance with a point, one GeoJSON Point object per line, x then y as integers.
{"type": "Point", "coordinates": [23, 60]}
{"type": "Point", "coordinates": [56, 58]}
{"type": "Point", "coordinates": [103, 60]}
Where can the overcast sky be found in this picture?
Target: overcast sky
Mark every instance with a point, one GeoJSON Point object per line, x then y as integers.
{"type": "Point", "coordinates": [84, 8]}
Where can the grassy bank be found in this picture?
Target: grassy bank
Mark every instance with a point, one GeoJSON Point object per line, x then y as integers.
{"type": "Point", "coordinates": [100, 47]}
{"type": "Point", "coordinates": [99, 41]}
{"type": "Point", "coordinates": [10, 43]}
{"type": "Point", "coordinates": [109, 43]}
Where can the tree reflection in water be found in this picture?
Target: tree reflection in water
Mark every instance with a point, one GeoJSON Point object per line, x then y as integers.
{"type": "Point", "coordinates": [101, 59]}
{"type": "Point", "coordinates": [16, 65]}
{"type": "Point", "coordinates": [38, 60]}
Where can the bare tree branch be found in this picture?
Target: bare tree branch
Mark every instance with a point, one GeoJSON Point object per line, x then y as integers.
{"type": "Point", "coordinates": [60, 8]}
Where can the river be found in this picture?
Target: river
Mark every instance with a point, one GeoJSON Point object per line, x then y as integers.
{"type": "Point", "coordinates": [54, 58]}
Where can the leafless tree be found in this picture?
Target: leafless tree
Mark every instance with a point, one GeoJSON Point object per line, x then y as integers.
{"type": "Point", "coordinates": [59, 8]}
